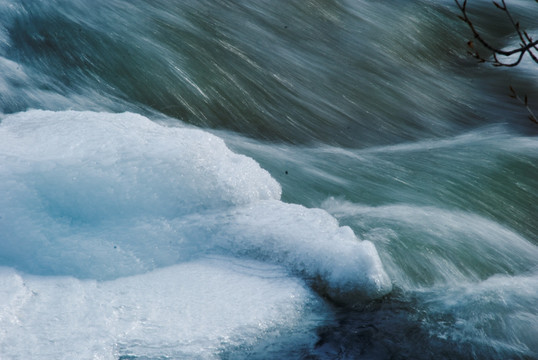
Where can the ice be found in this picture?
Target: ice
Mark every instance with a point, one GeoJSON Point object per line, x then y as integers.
{"type": "Point", "coordinates": [102, 196]}
{"type": "Point", "coordinates": [307, 241]}
{"type": "Point", "coordinates": [193, 310]}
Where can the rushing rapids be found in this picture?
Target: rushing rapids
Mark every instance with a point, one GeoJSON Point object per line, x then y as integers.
{"type": "Point", "coordinates": [272, 179]}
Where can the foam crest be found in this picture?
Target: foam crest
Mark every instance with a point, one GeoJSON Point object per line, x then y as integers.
{"type": "Point", "coordinates": [193, 310]}
{"type": "Point", "coordinates": [431, 246]}
{"type": "Point", "coordinates": [107, 195]}
{"type": "Point", "coordinates": [498, 314]}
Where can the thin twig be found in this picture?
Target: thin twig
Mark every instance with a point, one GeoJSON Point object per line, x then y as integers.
{"type": "Point", "coordinates": [525, 102]}
{"type": "Point", "coordinates": [526, 47]}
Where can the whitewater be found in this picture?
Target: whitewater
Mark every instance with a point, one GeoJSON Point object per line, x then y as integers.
{"type": "Point", "coordinates": [272, 179]}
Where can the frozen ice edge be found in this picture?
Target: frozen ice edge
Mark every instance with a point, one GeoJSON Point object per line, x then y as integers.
{"type": "Point", "coordinates": [86, 191]}
{"type": "Point", "coordinates": [192, 310]}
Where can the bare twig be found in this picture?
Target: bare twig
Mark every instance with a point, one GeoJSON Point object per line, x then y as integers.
{"type": "Point", "coordinates": [525, 102]}
{"type": "Point", "coordinates": [527, 44]}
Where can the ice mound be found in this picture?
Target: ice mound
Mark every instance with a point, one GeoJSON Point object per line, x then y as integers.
{"type": "Point", "coordinates": [101, 196]}
{"type": "Point", "coordinates": [307, 241]}
{"type": "Point", "coordinates": [89, 167]}
{"type": "Point", "coordinates": [193, 310]}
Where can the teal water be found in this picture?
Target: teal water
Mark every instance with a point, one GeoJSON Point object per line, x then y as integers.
{"type": "Point", "coordinates": [371, 111]}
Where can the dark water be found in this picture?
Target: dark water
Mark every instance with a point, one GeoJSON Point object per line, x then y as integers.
{"type": "Point", "coordinates": [371, 110]}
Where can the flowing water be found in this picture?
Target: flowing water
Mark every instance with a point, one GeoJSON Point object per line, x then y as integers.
{"type": "Point", "coordinates": [227, 179]}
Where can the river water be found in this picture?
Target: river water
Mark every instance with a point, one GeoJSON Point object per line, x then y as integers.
{"type": "Point", "coordinates": [307, 179]}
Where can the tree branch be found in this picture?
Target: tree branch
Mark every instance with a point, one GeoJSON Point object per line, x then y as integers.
{"type": "Point", "coordinates": [527, 44]}
{"type": "Point", "coordinates": [525, 102]}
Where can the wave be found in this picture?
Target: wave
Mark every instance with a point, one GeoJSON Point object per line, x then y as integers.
{"type": "Point", "coordinates": [465, 283]}
{"type": "Point", "coordinates": [331, 72]}
{"type": "Point", "coordinates": [426, 246]}
{"type": "Point", "coordinates": [495, 317]}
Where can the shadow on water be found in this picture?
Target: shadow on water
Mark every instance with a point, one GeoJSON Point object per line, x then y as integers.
{"type": "Point", "coordinates": [401, 326]}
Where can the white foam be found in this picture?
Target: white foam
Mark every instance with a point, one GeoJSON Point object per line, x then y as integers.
{"type": "Point", "coordinates": [192, 310]}
{"type": "Point", "coordinates": [433, 246]}
{"type": "Point", "coordinates": [499, 312]}
{"type": "Point", "coordinates": [107, 195]}
{"type": "Point", "coordinates": [496, 136]}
